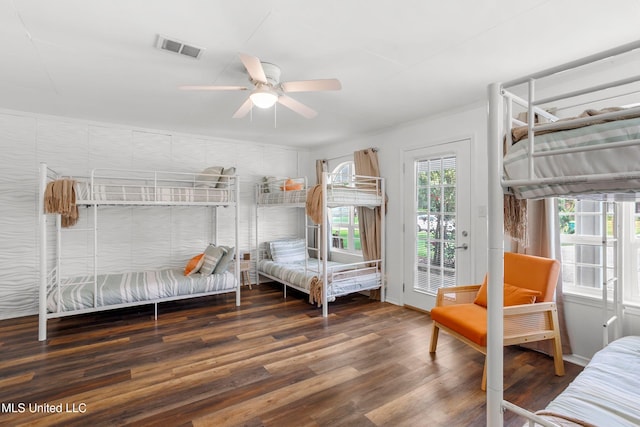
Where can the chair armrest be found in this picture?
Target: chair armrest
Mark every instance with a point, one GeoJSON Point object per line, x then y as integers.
{"type": "Point", "coordinates": [456, 295]}
{"type": "Point", "coordinates": [537, 307]}
{"type": "Point", "coordinates": [530, 322]}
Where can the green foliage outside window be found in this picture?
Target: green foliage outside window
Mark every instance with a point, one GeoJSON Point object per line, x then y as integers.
{"type": "Point", "coordinates": [436, 194]}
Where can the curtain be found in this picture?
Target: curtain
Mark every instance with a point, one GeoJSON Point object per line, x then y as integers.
{"type": "Point", "coordinates": [369, 220]}
{"type": "Point", "coordinates": [515, 219]}
{"type": "Point", "coordinates": [543, 229]}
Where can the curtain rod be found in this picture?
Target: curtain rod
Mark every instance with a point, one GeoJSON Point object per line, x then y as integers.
{"type": "Point", "coordinates": [374, 149]}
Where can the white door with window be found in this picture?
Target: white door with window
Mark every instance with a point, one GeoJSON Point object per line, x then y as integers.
{"type": "Point", "coordinates": [437, 217]}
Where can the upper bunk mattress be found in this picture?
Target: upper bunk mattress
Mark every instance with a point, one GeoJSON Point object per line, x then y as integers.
{"type": "Point", "coordinates": [336, 195]}
{"type": "Point", "coordinates": [85, 193]}
{"type": "Point", "coordinates": [77, 293]}
{"type": "Point", "coordinates": [294, 197]}
{"type": "Point", "coordinates": [343, 195]}
{"type": "Point", "coordinates": [578, 164]}
{"type": "Point", "coordinates": [606, 393]}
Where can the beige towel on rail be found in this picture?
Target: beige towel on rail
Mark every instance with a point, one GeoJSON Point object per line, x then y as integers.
{"type": "Point", "coordinates": [60, 198]}
{"type": "Point", "coordinates": [314, 203]}
{"type": "Point", "coordinates": [315, 291]}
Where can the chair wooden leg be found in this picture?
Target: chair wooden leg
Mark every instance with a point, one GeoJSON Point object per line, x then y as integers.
{"type": "Point", "coordinates": [557, 345]}
{"type": "Point", "coordinates": [434, 339]}
{"type": "Point", "coordinates": [557, 357]}
{"type": "Point", "coordinates": [483, 385]}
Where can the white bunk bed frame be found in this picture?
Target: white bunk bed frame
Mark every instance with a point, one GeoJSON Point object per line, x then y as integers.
{"type": "Point", "coordinates": [321, 236]}
{"type": "Point", "coordinates": [499, 124]}
{"type": "Point", "coordinates": [154, 184]}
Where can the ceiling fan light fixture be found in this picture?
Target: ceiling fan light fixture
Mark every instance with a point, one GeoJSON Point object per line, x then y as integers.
{"type": "Point", "coordinates": [263, 97]}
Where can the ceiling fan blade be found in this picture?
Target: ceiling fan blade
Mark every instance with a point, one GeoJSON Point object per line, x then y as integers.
{"type": "Point", "coordinates": [297, 107]}
{"type": "Point", "coordinates": [254, 67]}
{"type": "Point", "coordinates": [188, 87]}
{"type": "Point", "coordinates": [311, 85]}
{"type": "Point", "coordinates": [244, 109]}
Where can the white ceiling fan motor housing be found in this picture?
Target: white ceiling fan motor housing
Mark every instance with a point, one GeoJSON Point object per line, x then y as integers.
{"type": "Point", "coordinates": [272, 73]}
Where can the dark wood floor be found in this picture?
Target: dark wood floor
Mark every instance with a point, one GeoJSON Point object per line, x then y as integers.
{"type": "Point", "coordinates": [271, 362]}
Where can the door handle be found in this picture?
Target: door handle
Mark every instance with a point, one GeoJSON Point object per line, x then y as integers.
{"type": "Point", "coordinates": [463, 246]}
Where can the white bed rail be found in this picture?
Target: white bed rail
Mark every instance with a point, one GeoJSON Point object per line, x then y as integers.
{"type": "Point", "coordinates": [356, 190]}
{"type": "Point", "coordinates": [51, 268]}
{"type": "Point", "coordinates": [355, 272]}
{"type": "Point", "coordinates": [612, 281]}
{"type": "Point", "coordinates": [45, 175]}
{"type": "Point", "coordinates": [277, 186]}
{"type": "Point", "coordinates": [534, 109]}
{"type": "Point", "coordinates": [362, 187]}
{"type": "Point", "coordinates": [284, 192]}
{"type": "Point", "coordinates": [339, 190]}
{"type": "Point", "coordinates": [144, 187]}
{"type": "Point", "coordinates": [532, 419]}
{"type": "Point", "coordinates": [500, 124]}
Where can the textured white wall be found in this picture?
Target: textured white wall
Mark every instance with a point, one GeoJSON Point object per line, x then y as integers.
{"type": "Point", "coordinates": [130, 238]}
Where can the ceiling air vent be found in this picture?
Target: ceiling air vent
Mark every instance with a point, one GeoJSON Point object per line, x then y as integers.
{"type": "Point", "coordinates": [177, 46]}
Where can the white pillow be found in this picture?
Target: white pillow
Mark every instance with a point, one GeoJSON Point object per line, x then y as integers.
{"type": "Point", "coordinates": [212, 256]}
{"type": "Point", "coordinates": [288, 251]}
{"type": "Point", "coordinates": [209, 177]}
{"type": "Point", "coordinates": [224, 181]}
{"type": "Point", "coordinates": [226, 260]}
{"type": "Point", "coordinates": [273, 184]}
{"type": "Point", "coordinates": [267, 250]}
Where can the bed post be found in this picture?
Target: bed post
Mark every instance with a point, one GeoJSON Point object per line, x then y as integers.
{"type": "Point", "coordinates": [324, 233]}
{"type": "Point", "coordinates": [42, 292]}
{"type": "Point", "coordinates": [495, 321]}
{"type": "Point", "coordinates": [258, 189]}
{"type": "Point", "coordinates": [237, 229]}
{"type": "Point", "coordinates": [383, 242]}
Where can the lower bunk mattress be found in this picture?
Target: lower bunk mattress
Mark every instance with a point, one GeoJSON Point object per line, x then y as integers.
{"type": "Point", "coordinates": [77, 293]}
{"type": "Point", "coordinates": [606, 393]}
{"type": "Point", "coordinates": [343, 278]}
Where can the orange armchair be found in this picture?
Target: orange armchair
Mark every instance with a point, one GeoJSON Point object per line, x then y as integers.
{"type": "Point", "coordinates": [529, 311]}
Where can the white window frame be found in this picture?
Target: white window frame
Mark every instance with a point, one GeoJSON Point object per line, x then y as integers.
{"type": "Point", "coordinates": [630, 253]}
{"type": "Point", "coordinates": [628, 247]}
{"type": "Point", "coordinates": [351, 227]}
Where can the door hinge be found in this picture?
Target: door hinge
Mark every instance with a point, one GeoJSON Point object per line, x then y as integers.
{"type": "Point", "coordinates": [403, 287]}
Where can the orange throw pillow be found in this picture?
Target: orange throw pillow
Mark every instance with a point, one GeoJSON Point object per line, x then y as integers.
{"type": "Point", "coordinates": [194, 264]}
{"type": "Point", "coordinates": [291, 185]}
{"type": "Point", "coordinates": [513, 295]}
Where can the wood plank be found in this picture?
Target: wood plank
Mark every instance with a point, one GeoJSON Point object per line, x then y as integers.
{"type": "Point", "coordinates": [270, 362]}
{"type": "Point", "coordinates": [239, 413]}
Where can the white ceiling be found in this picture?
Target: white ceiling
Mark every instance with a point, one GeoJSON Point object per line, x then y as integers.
{"type": "Point", "coordinates": [398, 60]}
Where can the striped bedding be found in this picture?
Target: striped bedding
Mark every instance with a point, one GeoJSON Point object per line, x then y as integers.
{"type": "Point", "coordinates": [294, 273]}
{"type": "Point", "coordinates": [296, 197]}
{"type": "Point", "coordinates": [336, 195]}
{"type": "Point", "coordinates": [341, 195]}
{"type": "Point", "coordinates": [607, 161]}
{"type": "Point", "coordinates": [112, 289]}
{"type": "Point", "coordinates": [606, 393]}
{"type": "Point", "coordinates": [149, 193]}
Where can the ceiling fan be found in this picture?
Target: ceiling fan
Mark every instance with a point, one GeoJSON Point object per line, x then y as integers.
{"type": "Point", "coordinates": [267, 88]}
